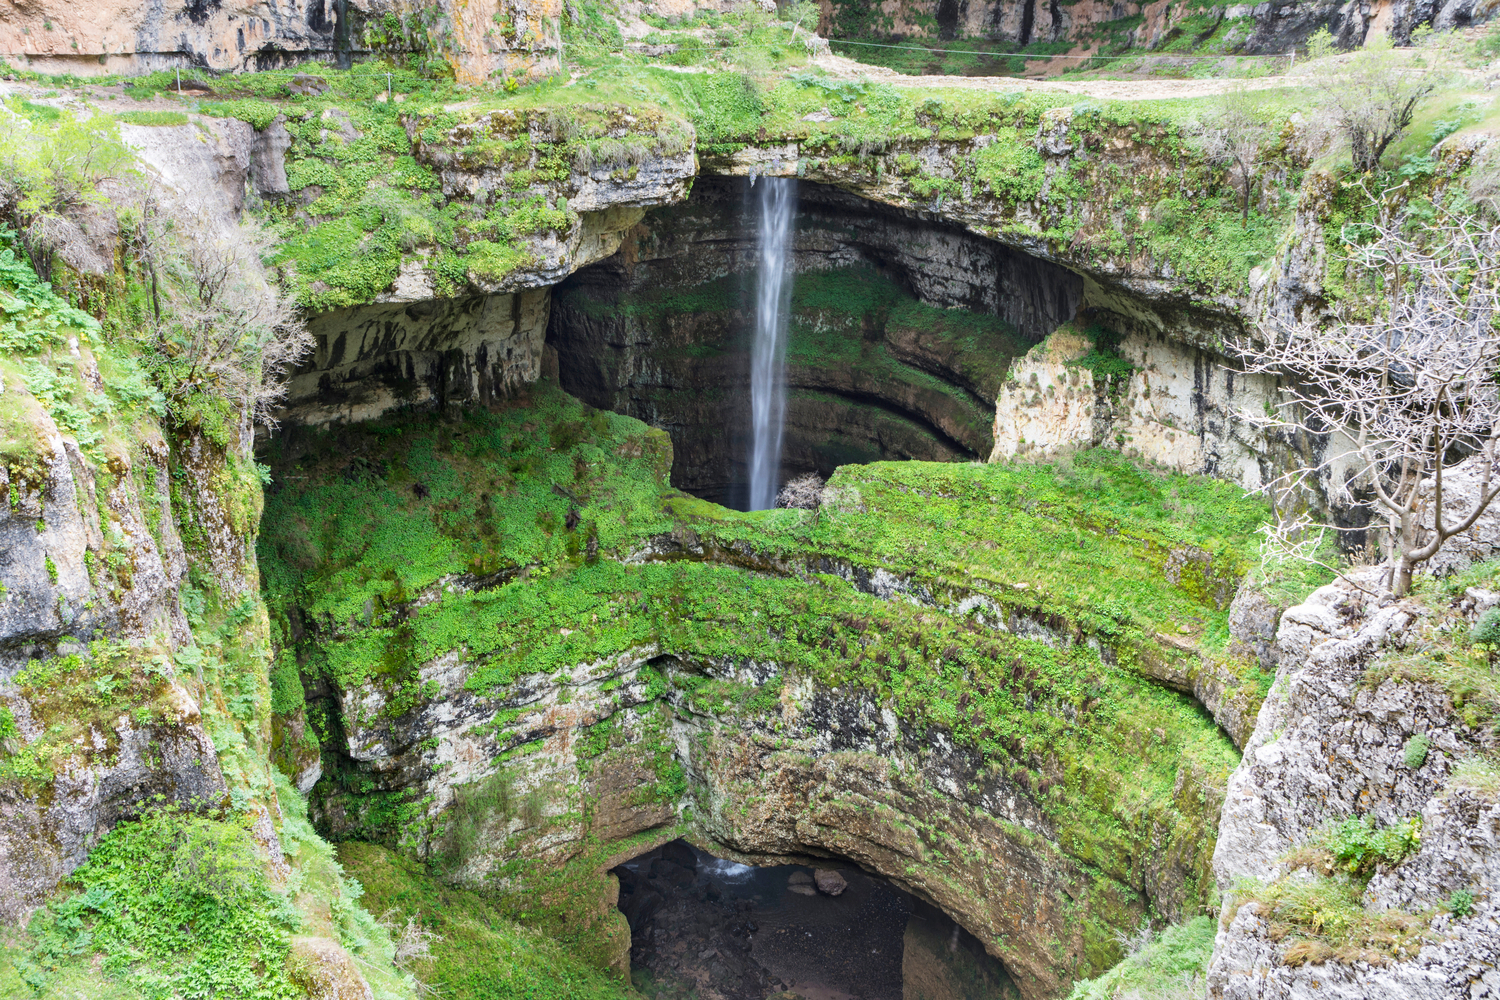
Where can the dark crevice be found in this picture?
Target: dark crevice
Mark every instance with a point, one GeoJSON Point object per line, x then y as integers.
{"type": "Point", "coordinates": [911, 416]}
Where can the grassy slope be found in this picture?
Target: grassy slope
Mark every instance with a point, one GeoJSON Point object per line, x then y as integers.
{"type": "Point", "coordinates": [1170, 967]}
{"type": "Point", "coordinates": [475, 951]}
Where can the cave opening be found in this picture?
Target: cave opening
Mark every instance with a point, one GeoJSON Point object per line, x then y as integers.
{"type": "Point", "coordinates": [701, 925]}
{"type": "Point", "coordinates": [901, 332]}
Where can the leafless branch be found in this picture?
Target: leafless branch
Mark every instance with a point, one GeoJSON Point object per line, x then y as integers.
{"type": "Point", "coordinates": [1404, 381]}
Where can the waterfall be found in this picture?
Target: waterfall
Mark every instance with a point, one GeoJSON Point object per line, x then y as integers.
{"type": "Point", "coordinates": [773, 298]}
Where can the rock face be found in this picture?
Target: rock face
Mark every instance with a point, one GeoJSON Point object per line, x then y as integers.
{"type": "Point", "coordinates": [90, 549]}
{"type": "Point", "coordinates": [112, 663]}
{"type": "Point", "coordinates": [1165, 402]}
{"type": "Point", "coordinates": [1241, 28]}
{"type": "Point", "coordinates": [432, 352]}
{"type": "Point", "coordinates": [492, 40]}
{"type": "Point", "coordinates": [1330, 745]}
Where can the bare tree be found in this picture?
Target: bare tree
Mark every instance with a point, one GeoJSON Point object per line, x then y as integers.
{"type": "Point", "coordinates": [49, 176]}
{"type": "Point", "coordinates": [1370, 97]}
{"type": "Point", "coordinates": [228, 329]}
{"type": "Point", "coordinates": [803, 493]}
{"type": "Point", "coordinates": [1233, 137]}
{"type": "Point", "coordinates": [1402, 386]}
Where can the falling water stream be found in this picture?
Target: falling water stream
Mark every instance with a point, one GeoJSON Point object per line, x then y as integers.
{"type": "Point", "coordinates": [773, 295]}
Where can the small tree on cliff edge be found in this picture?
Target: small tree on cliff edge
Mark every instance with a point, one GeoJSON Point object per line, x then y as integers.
{"type": "Point", "coordinates": [1404, 384]}
{"type": "Point", "coordinates": [1370, 97]}
{"type": "Point", "coordinates": [1232, 136]}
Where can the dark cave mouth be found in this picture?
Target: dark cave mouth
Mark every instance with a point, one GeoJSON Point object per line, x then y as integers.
{"type": "Point", "coordinates": [703, 925]}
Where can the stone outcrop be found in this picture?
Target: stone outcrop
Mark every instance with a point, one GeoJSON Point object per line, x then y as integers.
{"type": "Point", "coordinates": [1171, 404]}
{"type": "Point", "coordinates": [485, 42]}
{"type": "Point", "coordinates": [949, 180]}
{"type": "Point", "coordinates": [1329, 745]}
{"type": "Point", "coordinates": [430, 352]}
{"type": "Point", "coordinates": [1240, 28]}
{"type": "Point", "coordinates": [90, 549]}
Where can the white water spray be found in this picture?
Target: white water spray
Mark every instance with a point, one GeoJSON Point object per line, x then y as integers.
{"type": "Point", "coordinates": [773, 299]}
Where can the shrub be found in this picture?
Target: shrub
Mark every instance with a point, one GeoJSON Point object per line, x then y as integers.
{"type": "Point", "coordinates": [1487, 631]}
{"type": "Point", "coordinates": [1416, 751]}
{"type": "Point", "coordinates": [1461, 903]}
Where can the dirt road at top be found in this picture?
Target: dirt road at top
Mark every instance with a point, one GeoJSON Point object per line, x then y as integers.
{"type": "Point", "coordinates": [1113, 90]}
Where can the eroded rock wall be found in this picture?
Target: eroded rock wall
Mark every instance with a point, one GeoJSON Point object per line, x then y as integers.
{"type": "Point", "coordinates": [1239, 28]}
{"type": "Point", "coordinates": [432, 352]}
{"type": "Point", "coordinates": [1168, 403]}
{"type": "Point", "coordinates": [1330, 744]}
{"type": "Point", "coordinates": [485, 41]}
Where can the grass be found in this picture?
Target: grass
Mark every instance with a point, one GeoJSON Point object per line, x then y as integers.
{"type": "Point", "coordinates": [1318, 909]}
{"type": "Point", "coordinates": [476, 952]}
{"type": "Point", "coordinates": [1324, 918]}
{"type": "Point", "coordinates": [1168, 966]}
{"type": "Point", "coordinates": [1444, 653]}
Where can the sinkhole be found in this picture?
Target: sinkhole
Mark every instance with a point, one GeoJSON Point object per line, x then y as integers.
{"type": "Point", "coordinates": [899, 331]}
{"type": "Point", "coordinates": [703, 926]}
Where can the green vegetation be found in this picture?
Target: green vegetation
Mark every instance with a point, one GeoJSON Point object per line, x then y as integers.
{"type": "Point", "coordinates": [1447, 654]}
{"type": "Point", "coordinates": [508, 501]}
{"type": "Point", "coordinates": [474, 952]}
{"type": "Point", "coordinates": [1324, 917]}
{"type": "Point", "coordinates": [175, 904]}
{"type": "Point", "coordinates": [1169, 966]}
{"type": "Point", "coordinates": [171, 905]}
{"type": "Point", "coordinates": [1355, 846]}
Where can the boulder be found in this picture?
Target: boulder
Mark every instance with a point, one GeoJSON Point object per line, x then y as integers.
{"type": "Point", "coordinates": [829, 882]}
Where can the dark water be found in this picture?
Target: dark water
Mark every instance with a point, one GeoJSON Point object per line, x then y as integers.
{"type": "Point", "coordinates": [711, 929]}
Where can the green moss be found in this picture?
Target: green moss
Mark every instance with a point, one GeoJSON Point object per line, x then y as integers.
{"type": "Point", "coordinates": [170, 905]}
{"type": "Point", "coordinates": [154, 118]}
{"type": "Point", "coordinates": [1175, 960]}
{"type": "Point", "coordinates": [475, 951]}
{"type": "Point", "coordinates": [1079, 549]}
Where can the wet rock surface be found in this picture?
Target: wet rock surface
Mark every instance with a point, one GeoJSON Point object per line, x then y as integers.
{"type": "Point", "coordinates": [720, 929]}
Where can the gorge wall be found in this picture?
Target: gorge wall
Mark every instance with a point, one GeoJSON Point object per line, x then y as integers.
{"type": "Point", "coordinates": [491, 40]}
{"type": "Point", "coordinates": [1238, 28]}
{"type": "Point", "coordinates": [499, 640]}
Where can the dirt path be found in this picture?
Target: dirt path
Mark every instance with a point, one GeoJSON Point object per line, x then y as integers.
{"type": "Point", "coordinates": [1115, 90]}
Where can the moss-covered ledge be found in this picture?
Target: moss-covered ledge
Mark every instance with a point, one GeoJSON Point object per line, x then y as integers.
{"type": "Point", "coordinates": [503, 685]}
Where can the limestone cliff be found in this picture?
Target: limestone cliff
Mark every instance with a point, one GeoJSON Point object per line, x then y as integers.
{"type": "Point", "coordinates": [492, 40]}
{"type": "Point", "coordinates": [1359, 728]}
{"type": "Point", "coordinates": [1088, 27]}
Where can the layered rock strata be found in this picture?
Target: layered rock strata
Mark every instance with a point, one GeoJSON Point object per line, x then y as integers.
{"type": "Point", "coordinates": [485, 41]}
{"type": "Point", "coordinates": [1239, 28]}
{"type": "Point", "coordinates": [662, 331]}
